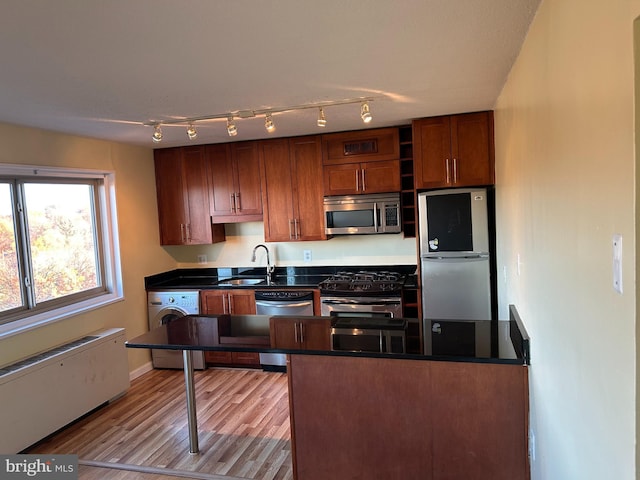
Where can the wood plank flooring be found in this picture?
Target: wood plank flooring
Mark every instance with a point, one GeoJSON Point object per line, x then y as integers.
{"type": "Point", "coordinates": [243, 425]}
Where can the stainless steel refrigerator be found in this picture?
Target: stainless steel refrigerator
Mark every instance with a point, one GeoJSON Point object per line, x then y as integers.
{"type": "Point", "coordinates": [454, 255]}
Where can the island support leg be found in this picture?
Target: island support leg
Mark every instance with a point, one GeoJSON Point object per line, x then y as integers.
{"type": "Point", "coordinates": [191, 402]}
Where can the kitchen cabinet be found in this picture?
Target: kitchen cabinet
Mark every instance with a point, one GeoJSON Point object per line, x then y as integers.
{"type": "Point", "coordinates": [183, 198]}
{"type": "Point", "coordinates": [236, 302]}
{"type": "Point", "coordinates": [359, 178]}
{"type": "Point", "coordinates": [397, 419]}
{"type": "Point", "coordinates": [300, 333]}
{"type": "Point", "coordinates": [234, 173]}
{"type": "Point", "coordinates": [365, 161]}
{"type": "Point", "coordinates": [291, 191]}
{"type": "Point", "coordinates": [454, 150]}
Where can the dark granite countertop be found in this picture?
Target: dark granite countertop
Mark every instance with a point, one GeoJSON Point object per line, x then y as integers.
{"type": "Point", "coordinates": [201, 332]}
{"type": "Point", "coordinates": [290, 277]}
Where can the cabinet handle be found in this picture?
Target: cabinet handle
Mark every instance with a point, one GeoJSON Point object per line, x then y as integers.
{"type": "Point", "coordinates": [188, 228]}
{"type": "Point", "coordinates": [364, 185]}
{"type": "Point", "coordinates": [301, 332]}
{"type": "Point", "coordinates": [448, 173]}
{"type": "Point", "coordinates": [230, 304]}
{"type": "Point", "coordinates": [357, 180]}
{"type": "Point", "coordinates": [295, 332]}
{"type": "Point", "coordinates": [296, 228]}
{"type": "Point", "coordinates": [455, 170]}
{"type": "Point", "coordinates": [290, 233]}
{"type": "Point", "coordinates": [238, 203]}
{"type": "Point", "coordinates": [182, 239]}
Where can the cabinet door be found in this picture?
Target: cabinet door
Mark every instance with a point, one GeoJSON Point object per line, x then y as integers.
{"type": "Point", "coordinates": [198, 227]}
{"type": "Point", "coordinates": [432, 152]}
{"type": "Point", "coordinates": [342, 179]}
{"type": "Point", "coordinates": [214, 302]}
{"type": "Point", "coordinates": [242, 302]}
{"type": "Point", "coordinates": [316, 334]}
{"type": "Point", "coordinates": [247, 179]}
{"type": "Point", "coordinates": [381, 177]}
{"type": "Point", "coordinates": [306, 171]}
{"type": "Point", "coordinates": [472, 149]}
{"type": "Point", "coordinates": [221, 177]}
{"type": "Point", "coordinates": [172, 213]}
{"type": "Point", "coordinates": [284, 333]}
{"type": "Point", "coordinates": [277, 190]}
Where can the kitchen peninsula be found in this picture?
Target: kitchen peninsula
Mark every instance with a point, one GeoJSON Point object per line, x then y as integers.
{"type": "Point", "coordinates": [392, 416]}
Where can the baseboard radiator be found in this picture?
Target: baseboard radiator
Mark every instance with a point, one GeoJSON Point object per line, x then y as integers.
{"type": "Point", "coordinates": [45, 392]}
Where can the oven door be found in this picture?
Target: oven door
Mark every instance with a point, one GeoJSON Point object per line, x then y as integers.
{"type": "Point", "coordinates": [387, 307]}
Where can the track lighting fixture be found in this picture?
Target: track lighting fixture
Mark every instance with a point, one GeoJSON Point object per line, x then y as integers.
{"type": "Point", "coordinates": [268, 123]}
{"type": "Point", "coordinates": [231, 127]}
{"type": "Point", "coordinates": [157, 134]}
{"type": "Point", "coordinates": [322, 121]}
{"type": "Point", "coordinates": [365, 114]}
{"type": "Point", "coordinates": [191, 132]}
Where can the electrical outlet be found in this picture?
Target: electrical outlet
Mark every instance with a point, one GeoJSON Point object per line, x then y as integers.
{"type": "Point", "coordinates": [306, 255]}
{"type": "Point", "coordinates": [202, 259]}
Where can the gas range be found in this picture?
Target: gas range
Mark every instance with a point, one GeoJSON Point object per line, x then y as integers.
{"type": "Point", "coordinates": [363, 283]}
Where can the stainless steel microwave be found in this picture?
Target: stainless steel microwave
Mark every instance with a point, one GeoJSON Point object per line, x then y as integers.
{"type": "Point", "coordinates": [362, 214]}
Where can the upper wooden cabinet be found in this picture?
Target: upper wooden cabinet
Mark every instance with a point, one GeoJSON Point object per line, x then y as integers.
{"type": "Point", "coordinates": [291, 191]}
{"type": "Point", "coordinates": [365, 161]}
{"type": "Point", "coordinates": [358, 178]}
{"type": "Point", "coordinates": [376, 144]}
{"type": "Point", "coordinates": [454, 150]}
{"type": "Point", "coordinates": [235, 182]}
{"type": "Point", "coordinates": [183, 198]}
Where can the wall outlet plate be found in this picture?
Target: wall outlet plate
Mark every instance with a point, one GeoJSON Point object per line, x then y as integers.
{"type": "Point", "coordinates": [306, 255]}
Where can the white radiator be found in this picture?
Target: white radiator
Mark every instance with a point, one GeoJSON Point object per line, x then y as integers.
{"type": "Point", "coordinates": [43, 393]}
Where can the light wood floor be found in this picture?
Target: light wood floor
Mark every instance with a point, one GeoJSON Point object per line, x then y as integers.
{"type": "Point", "coordinates": [243, 424]}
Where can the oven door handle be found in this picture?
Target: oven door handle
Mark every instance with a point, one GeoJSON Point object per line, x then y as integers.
{"type": "Point", "coordinates": [353, 302]}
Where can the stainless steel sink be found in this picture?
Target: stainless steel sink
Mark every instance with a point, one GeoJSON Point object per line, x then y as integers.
{"type": "Point", "coordinates": [234, 282]}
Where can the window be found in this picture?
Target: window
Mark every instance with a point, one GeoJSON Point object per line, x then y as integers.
{"type": "Point", "coordinates": [57, 244]}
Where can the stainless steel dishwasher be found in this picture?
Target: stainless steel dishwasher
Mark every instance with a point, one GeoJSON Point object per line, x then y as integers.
{"type": "Point", "coordinates": [282, 302]}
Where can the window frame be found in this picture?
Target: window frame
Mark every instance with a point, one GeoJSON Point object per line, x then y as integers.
{"type": "Point", "coordinates": [110, 272]}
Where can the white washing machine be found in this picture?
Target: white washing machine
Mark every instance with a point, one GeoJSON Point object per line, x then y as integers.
{"type": "Point", "coordinates": [163, 308]}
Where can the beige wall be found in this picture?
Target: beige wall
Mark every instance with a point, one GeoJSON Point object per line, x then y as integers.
{"type": "Point", "coordinates": [565, 175]}
{"type": "Point", "coordinates": [140, 252]}
{"type": "Point", "coordinates": [357, 250]}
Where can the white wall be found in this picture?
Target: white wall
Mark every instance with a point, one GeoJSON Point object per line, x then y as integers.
{"type": "Point", "coordinates": [565, 183]}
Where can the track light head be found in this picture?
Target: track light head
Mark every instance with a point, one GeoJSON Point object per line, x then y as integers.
{"type": "Point", "coordinates": [268, 123]}
{"type": "Point", "coordinates": [157, 134]}
{"type": "Point", "coordinates": [231, 127]}
{"type": "Point", "coordinates": [322, 121]}
{"type": "Point", "coordinates": [191, 132]}
{"type": "Point", "coordinates": [365, 113]}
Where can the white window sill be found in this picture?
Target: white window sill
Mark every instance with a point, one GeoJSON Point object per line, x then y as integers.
{"type": "Point", "coordinates": [32, 322]}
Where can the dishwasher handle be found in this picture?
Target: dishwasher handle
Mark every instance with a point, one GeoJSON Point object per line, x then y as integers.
{"type": "Point", "coordinates": [283, 304]}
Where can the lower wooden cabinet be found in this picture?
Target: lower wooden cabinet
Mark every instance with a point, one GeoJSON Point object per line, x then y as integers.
{"type": "Point", "coordinates": [396, 419]}
{"type": "Point", "coordinates": [300, 333]}
{"type": "Point", "coordinates": [233, 359]}
{"type": "Point", "coordinates": [236, 302]}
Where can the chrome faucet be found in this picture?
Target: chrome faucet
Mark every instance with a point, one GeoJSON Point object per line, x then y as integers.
{"type": "Point", "coordinates": [270, 268]}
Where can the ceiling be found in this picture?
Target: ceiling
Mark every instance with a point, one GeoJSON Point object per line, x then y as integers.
{"type": "Point", "coordinates": [104, 68]}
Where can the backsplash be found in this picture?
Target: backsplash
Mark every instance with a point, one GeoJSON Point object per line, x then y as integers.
{"type": "Point", "coordinates": [389, 249]}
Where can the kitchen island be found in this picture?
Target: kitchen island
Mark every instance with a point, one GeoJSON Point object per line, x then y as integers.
{"type": "Point", "coordinates": [391, 416]}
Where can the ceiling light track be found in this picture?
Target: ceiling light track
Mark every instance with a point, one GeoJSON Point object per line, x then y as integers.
{"type": "Point", "coordinates": [232, 130]}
